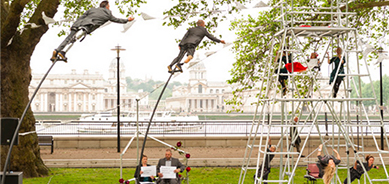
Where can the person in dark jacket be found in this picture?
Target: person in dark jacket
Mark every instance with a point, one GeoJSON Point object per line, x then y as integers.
{"type": "Point", "coordinates": [294, 135]}
{"type": "Point", "coordinates": [88, 22]}
{"type": "Point", "coordinates": [190, 41]}
{"type": "Point", "coordinates": [169, 161]}
{"type": "Point", "coordinates": [357, 171]}
{"type": "Point", "coordinates": [285, 58]}
{"type": "Point", "coordinates": [327, 165]}
{"type": "Point", "coordinates": [339, 62]}
{"type": "Point", "coordinates": [144, 164]}
{"type": "Point", "coordinates": [268, 158]}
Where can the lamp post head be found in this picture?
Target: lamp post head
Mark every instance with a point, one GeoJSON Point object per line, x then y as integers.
{"type": "Point", "coordinates": [118, 49]}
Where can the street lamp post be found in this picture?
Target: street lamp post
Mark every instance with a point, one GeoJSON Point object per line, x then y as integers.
{"type": "Point", "coordinates": [381, 51]}
{"type": "Point", "coordinates": [381, 109]}
{"type": "Point", "coordinates": [118, 49]}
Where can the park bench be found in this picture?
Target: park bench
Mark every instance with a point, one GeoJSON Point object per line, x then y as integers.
{"type": "Point", "coordinates": [46, 141]}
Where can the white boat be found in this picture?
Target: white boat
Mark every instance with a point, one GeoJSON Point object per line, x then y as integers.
{"type": "Point", "coordinates": [163, 122]}
{"type": "Point", "coordinates": [132, 116]}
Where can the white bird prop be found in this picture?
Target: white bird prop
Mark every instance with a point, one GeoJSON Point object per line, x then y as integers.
{"type": "Point", "coordinates": [381, 57]}
{"type": "Point", "coordinates": [367, 50]}
{"type": "Point", "coordinates": [261, 4]}
{"type": "Point", "coordinates": [240, 6]}
{"type": "Point", "coordinates": [256, 28]}
{"type": "Point", "coordinates": [210, 53]}
{"type": "Point", "coordinates": [127, 26]}
{"type": "Point", "coordinates": [48, 20]}
{"type": "Point", "coordinates": [146, 16]}
{"type": "Point", "coordinates": [227, 44]}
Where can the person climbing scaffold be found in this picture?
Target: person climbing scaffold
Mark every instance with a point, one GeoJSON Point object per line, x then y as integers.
{"type": "Point", "coordinates": [189, 42]}
{"type": "Point", "coordinates": [88, 22]}
{"type": "Point", "coordinates": [338, 80]}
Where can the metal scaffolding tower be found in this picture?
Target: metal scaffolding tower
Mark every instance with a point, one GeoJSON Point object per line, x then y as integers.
{"type": "Point", "coordinates": [291, 39]}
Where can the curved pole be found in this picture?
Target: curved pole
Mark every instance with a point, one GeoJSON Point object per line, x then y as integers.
{"type": "Point", "coordinates": [7, 160]}
{"type": "Point", "coordinates": [148, 126]}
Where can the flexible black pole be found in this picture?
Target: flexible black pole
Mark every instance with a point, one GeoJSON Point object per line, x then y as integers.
{"type": "Point", "coordinates": [148, 127]}
{"type": "Point", "coordinates": [118, 49]}
{"type": "Point", "coordinates": [118, 100]}
{"type": "Point", "coordinates": [381, 109]}
{"type": "Point", "coordinates": [7, 160]}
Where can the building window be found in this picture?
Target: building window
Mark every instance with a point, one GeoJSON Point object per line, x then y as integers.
{"type": "Point", "coordinates": [211, 91]}
{"type": "Point", "coordinates": [222, 90]}
{"type": "Point", "coordinates": [217, 91]}
{"type": "Point", "coordinates": [201, 103]}
{"type": "Point", "coordinates": [200, 88]}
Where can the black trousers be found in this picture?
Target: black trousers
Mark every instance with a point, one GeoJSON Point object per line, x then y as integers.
{"type": "Point", "coordinates": [187, 48]}
{"type": "Point", "coordinates": [353, 175]}
{"type": "Point", "coordinates": [337, 84]}
{"type": "Point", "coordinates": [265, 174]}
{"type": "Point", "coordinates": [67, 40]}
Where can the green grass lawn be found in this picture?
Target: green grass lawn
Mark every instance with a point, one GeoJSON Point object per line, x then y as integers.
{"type": "Point", "coordinates": [198, 175]}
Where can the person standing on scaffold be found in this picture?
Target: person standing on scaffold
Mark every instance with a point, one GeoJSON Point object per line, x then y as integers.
{"type": "Point", "coordinates": [88, 22]}
{"type": "Point", "coordinates": [337, 60]}
{"type": "Point", "coordinates": [189, 43]}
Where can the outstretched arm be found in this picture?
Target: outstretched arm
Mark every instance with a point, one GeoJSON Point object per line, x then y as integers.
{"type": "Point", "coordinates": [213, 38]}
{"type": "Point", "coordinates": [320, 150]}
{"type": "Point", "coordinates": [117, 20]}
{"type": "Point", "coordinates": [337, 154]}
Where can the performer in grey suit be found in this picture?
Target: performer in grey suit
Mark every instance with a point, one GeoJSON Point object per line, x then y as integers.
{"type": "Point", "coordinates": [169, 161]}
{"type": "Point", "coordinates": [88, 22]}
{"type": "Point", "coordinates": [189, 43]}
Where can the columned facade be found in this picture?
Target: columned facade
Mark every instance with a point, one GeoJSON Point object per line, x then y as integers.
{"type": "Point", "coordinates": [82, 92]}
{"type": "Point", "coordinates": [200, 95]}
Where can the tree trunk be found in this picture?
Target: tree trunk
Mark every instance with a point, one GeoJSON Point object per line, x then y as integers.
{"type": "Point", "coordinates": [15, 80]}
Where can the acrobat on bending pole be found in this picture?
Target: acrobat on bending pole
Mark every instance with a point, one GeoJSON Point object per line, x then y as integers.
{"type": "Point", "coordinates": [88, 22]}
{"type": "Point", "coordinates": [189, 43]}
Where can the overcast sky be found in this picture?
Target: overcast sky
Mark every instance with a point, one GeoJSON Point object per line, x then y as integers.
{"type": "Point", "coordinates": [150, 47]}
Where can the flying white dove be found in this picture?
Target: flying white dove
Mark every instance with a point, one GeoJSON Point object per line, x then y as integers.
{"type": "Point", "coordinates": [367, 50]}
{"type": "Point", "coordinates": [261, 4]}
{"type": "Point", "coordinates": [10, 41]}
{"type": "Point", "coordinates": [240, 6]}
{"type": "Point", "coordinates": [32, 26]}
{"type": "Point", "coordinates": [146, 17]}
{"type": "Point", "coordinates": [210, 53]}
{"type": "Point", "coordinates": [48, 20]}
{"type": "Point", "coordinates": [256, 28]}
{"type": "Point", "coordinates": [381, 57]}
{"type": "Point", "coordinates": [128, 26]}
{"type": "Point", "coordinates": [227, 44]}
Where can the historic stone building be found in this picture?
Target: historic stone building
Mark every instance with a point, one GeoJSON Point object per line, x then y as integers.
{"type": "Point", "coordinates": [200, 95]}
{"type": "Point", "coordinates": [83, 92]}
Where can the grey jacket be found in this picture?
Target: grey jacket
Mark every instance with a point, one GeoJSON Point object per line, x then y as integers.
{"type": "Point", "coordinates": [175, 162]}
{"type": "Point", "coordinates": [95, 17]}
{"type": "Point", "coordinates": [194, 36]}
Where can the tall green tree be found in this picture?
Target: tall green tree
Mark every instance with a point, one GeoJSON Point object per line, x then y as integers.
{"type": "Point", "coordinates": [19, 39]}
{"type": "Point", "coordinates": [253, 48]}
{"type": "Point", "coordinates": [367, 91]}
